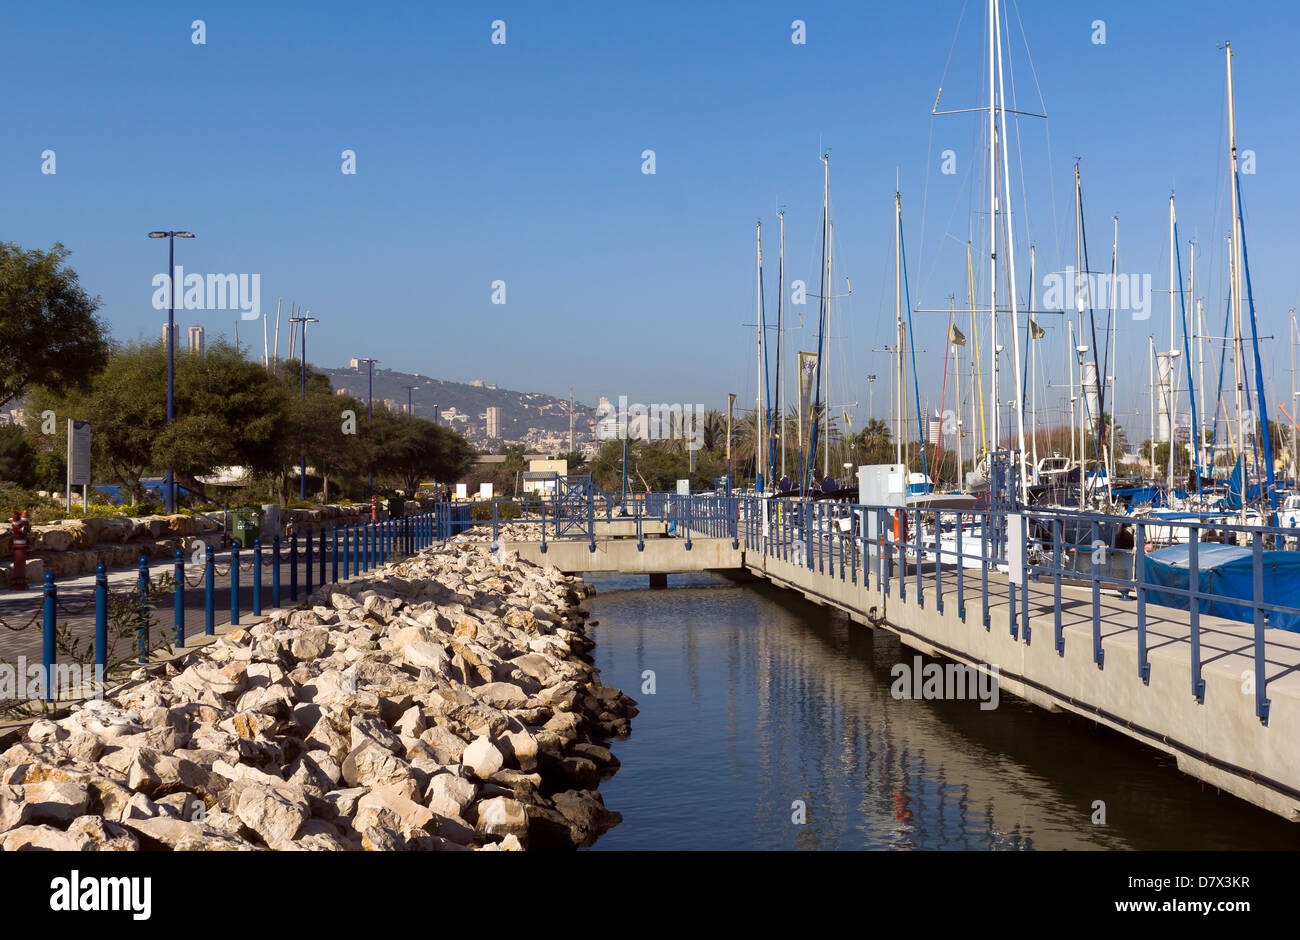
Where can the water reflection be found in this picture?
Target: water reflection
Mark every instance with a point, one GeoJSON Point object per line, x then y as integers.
{"type": "Point", "coordinates": [763, 699]}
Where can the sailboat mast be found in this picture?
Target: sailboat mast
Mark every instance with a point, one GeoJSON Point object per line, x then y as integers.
{"type": "Point", "coordinates": [758, 400]}
{"type": "Point", "coordinates": [1033, 372]}
{"type": "Point", "coordinates": [1171, 406]}
{"type": "Point", "coordinates": [1235, 284]}
{"type": "Point", "coordinates": [780, 337]}
{"type": "Point", "coordinates": [956, 394]}
{"type": "Point", "coordinates": [1151, 344]}
{"type": "Point", "coordinates": [1198, 446]}
{"type": "Point", "coordinates": [1076, 346]}
{"type": "Point", "coordinates": [898, 323]}
{"type": "Point", "coordinates": [1011, 265]}
{"type": "Point", "coordinates": [1113, 457]}
{"type": "Point", "coordinates": [993, 226]}
{"type": "Point", "coordinates": [830, 254]}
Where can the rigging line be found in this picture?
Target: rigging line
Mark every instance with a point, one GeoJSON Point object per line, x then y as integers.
{"type": "Point", "coordinates": [964, 188]}
{"type": "Point", "coordinates": [1015, 121]}
{"type": "Point", "coordinates": [979, 371]}
{"type": "Point", "coordinates": [1042, 105]}
{"type": "Point", "coordinates": [929, 147]}
{"type": "Point", "coordinates": [1259, 368]}
{"type": "Point", "coordinates": [1187, 354]}
{"type": "Point", "coordinates": [1098, 436]}
{"type": "Point", "coordinates": [911, 342]}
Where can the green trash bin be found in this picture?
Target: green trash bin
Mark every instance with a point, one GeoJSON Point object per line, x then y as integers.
{"type": "Point", "coordinates": [395, 507]}
{"type": "Point", "coordinates": [246, 525]}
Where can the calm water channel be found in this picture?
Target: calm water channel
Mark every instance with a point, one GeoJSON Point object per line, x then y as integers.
{"type": "Point", "coordinates": [762, 699]}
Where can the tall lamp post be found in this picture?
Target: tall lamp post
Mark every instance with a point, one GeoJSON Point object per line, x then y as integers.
{"type": "Point", "coordinates": [410, 409]}
{"type": "Point", "coordinates": [304, 320]}
{"type": "Point", "coordinates": [370, 417]}
{"type": "Point", "coordinates": [169, 485]}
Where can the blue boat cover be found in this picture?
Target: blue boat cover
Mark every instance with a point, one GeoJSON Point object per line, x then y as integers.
{"type": "Point", "coordinates": [1227, 571]}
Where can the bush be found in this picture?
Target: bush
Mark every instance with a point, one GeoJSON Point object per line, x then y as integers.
{"type": "Point", "coordinates": [482, 512]}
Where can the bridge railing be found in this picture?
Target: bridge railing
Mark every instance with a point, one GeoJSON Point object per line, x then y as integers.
{"type": "Point", "coordinates": [345, 551]}
{"type": "Point", "coordinates": [927, 553]}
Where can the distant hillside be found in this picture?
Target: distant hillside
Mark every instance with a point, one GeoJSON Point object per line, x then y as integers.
{"type": "Point", "coordinates": [519, 411]}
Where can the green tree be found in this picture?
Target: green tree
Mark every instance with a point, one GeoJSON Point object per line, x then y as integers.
{"type": "Point", "coordinates": [126, 405]}
{"type": "Point", "coordinates": [48, 328]}
{"type": "Point", "coordinates": [414, 449]}
{"type": "Point", "coordinates": [17, 458]}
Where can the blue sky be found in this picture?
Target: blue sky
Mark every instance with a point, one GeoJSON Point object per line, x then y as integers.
{"type": "Point", "coordinates": [479, 162]}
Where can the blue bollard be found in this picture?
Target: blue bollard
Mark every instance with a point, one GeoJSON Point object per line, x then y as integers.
{"type": "Point", "coordinates": [178, 598]}
{"type": "Point", "coordinates": [234, 583]}
{"type": "Point", "coordinates": [369, 527]}
{"type": "Point", "coordinates": [307, 579]}
{"type": "Point", "coordinates": [209, 592]}
{"type": "Point", "coordinates": [293, 567]}
{"type": "Point", "coordinates": [347, 551]}
{"type": "Point", "coordinates": [323, 554]}
{"type": "Point", "coordinates": [257, 577]}
{"type": "Point", "coordinates": [334, 566]}
{"type": "Point", "coordinates": [101, 623]}
{"type": "Point", "coordinates": [47, 630]}
{"type": "Point", "coordinates": [142, 634]}
{"type": "Point", "coordinates": [275, 571]}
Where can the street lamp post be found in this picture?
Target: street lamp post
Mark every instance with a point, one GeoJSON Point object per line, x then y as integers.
{"type": "Point", "coordinates": [304, 320]}
{"type": "Point", "coordinates": [370, 417]}
{"type": "Point", "coordinates": [169, 484]}
{"type": "Point", "coordinates": [410, 409]}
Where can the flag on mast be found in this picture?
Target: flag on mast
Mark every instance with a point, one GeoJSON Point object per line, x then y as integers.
{"type": "Point", "coordinates": [956, 336]}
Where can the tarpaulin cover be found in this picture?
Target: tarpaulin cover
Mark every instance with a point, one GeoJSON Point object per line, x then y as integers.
{"type": "Point", "coordinates": [1227, 570]}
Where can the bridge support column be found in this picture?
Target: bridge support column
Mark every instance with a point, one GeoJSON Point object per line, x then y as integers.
{"type": "Point", "coordinates": [659, 580]}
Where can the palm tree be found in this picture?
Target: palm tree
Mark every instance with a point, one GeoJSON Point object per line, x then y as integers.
{"type": "Point", "coordinates": [715, 429]}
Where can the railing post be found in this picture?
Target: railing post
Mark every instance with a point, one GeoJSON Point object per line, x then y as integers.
{"type": "Point", "coordinates": [257, 577]}
{"type": "Point", "coordinates": [1261, 661]}
{"type": "Point", "coordinates": [938, 560]}
{"type": "Point", "coordinates": [1024, 594]}
{"type": "Point", "coordinates": [209, 591]}
{"type": "Point", "coordinates": [366, 532]}
{"type": "Point", "coordinates": [961, 568]}
{"type": "Point", "coordinates": [334, 556]}
{"type": "Point", "coordinates": [234, 583]}
{"type": "Point", "coordinates": [306, 587]}
{"type": "Point", "coordinates": [275, 570]}
{"type": "Point", "coordinates": [916, 540]}
{"type": "Point", "coordinates": [142, 632]}
{"type": "Point", "coordinates": [1194, 608]}
{"type": "Point", "coordinates": [293, 566]}
{"type": "Point", "coordinates": [1098, 654]}
{"type": "Point", "coordinates": [1056, 585]}
{"type": "Point", "coordinates": [101, 623]}
{"type": "Point", "coordinates": [178, 598]}
{"type": "Point", "coordinates": [985, 537]}
{"type": "Point", "coordinates": [1140, 586]}
{"type": "Point", "coordinates": [48, 627]}
{"type": "Point", "coordinates": [347, 550]}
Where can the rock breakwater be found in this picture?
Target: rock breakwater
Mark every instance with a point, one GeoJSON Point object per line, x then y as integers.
{"type": "Point", "coordinates": [445, 702]}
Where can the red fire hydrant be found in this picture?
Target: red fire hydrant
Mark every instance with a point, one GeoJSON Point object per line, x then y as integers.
{"type": "Point", "coordinates": [21, 529]}
{"type": "Point", "coordinates": [374, 508]}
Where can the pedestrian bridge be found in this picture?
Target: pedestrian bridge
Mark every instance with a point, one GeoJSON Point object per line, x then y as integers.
{"type": "Point", "coordinates": [1006, 590]}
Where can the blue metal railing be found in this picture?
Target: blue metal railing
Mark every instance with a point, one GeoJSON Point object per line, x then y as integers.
{"type": "Point", "coordinates": [916, 551]}
{"type": "Point", "coordinates": [359, 546]}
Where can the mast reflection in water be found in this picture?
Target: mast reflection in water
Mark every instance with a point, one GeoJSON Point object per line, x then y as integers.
{"type": "Point", "coordinates": [763, 699]}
